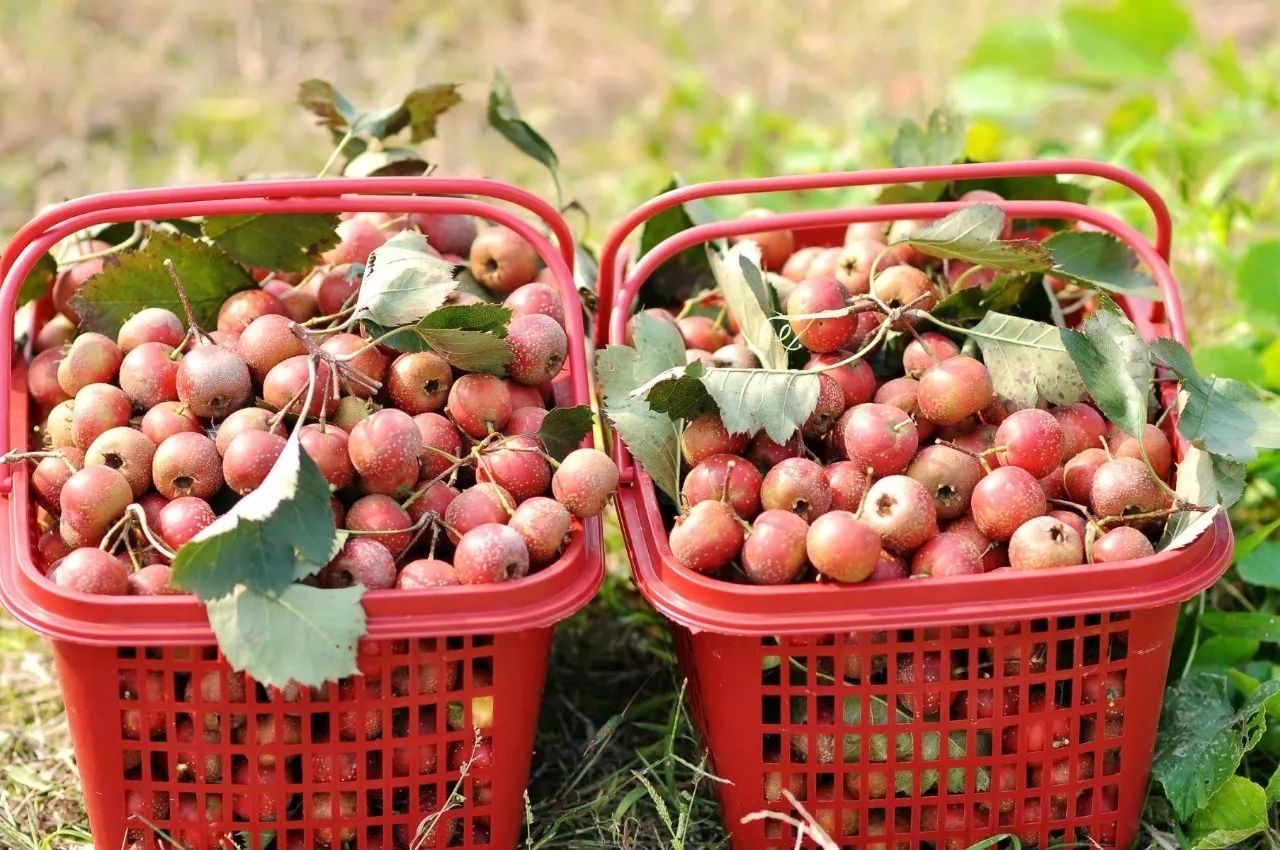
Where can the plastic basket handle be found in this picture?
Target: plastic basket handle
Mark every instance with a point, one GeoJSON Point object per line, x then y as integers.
{"type": "Point", "coordinates": [318, 196]}
{"type": "Point", "coordinates": [610, 255]}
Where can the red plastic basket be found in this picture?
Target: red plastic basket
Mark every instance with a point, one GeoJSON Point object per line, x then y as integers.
{"type": "Point", "coordinates": [1048, 686]}
{"type": "Point", "coordinates": [169, 740]}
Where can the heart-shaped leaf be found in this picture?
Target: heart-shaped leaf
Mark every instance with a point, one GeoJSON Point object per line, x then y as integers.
{"type": "Point", "coordinates": [1100, 261]}
{"type": "Point", "coordinates": [751, 400]}
{"type": "Point", "coordinates": [1116, 366]}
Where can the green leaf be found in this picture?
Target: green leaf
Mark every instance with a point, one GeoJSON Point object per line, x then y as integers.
{"type": "Point", "coordinates": [1235, 812]}
{"type": "Point", "coordinates": [941, 143]}
{"type": "Point", "coordinates": [563, 429]}
{"type": "Point", "coordinates": [1004, 295]}
{"type": "Point", "coordinates": [303, 634]}
{"type": "Point", "coordinates": [425, 105]}
{"type": "Point", "coordinates": [685, 397]}
{"type": "Point", "coordinates": [1220, 415]}
{"type": "Point", "coordinates": [1202, 738]}
{"type": "Point", "coordinates": [504, 116]}
{"type": "Point", "coordinates": [279, 533]}
{"type": "Point", "coordinates": [751, 400]}
{"type": "Point", "coordinates": [1258, 279]}
{"type": "Point", "coordinates": [468, 336]}
{"type": "Point", "coordinates": [1208, 479]}
{"type": "Point", "coordinates": [1185, 527]}
{"type": "Point", "coordinates": [289, 243]}
{"type": "Point", "coordinates": [135, 280]}
{"type": "Point", "coordinates": [1128, 38]}
{"type": "Point", "coordinates": [1222, 651]}
{"type": "Point", "coordinates": [1115, 365]}
{"type": "Point", "coordinates": [1244, 624]}
{"type": "Point", "coordinates": [1100, 261]}
{"type": "Point", "coordinates": [387, 162]}
{"type": "Point", "coordinates": [404, 282]}
{"type": "Point", "coordinates": [688, 271]}
{"type": "Point", "coordinates": [39, 280]}
{"type": "Point", "coordinates": [972, 234]}
{"type": "Point", "coordinates": [1273, 787]}
{"type": "Point", "coordinates": [327, 103]}
{"type": "Point", "coordinates": [742, 284]}
{"type": "Point", "coordinates": [1027, 360]}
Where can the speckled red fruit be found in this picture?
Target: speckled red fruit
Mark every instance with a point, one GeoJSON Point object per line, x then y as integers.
{"type": "Point", "coordinates": [93, 498]}
{"type": "Point", "coordinates": [213, 381]}
{"type": "Point", "coordinates": [1082, 428]}
{"type": "Point", "coordinates": [584, 482]}
{"type": "Point", "coordinates": [126, 450]}
{"type": "Point", "coordinates": [735, 356]}
{"type": "Point", "coordinates": [51, 474]}
{"type": "Point", "coordinates": [268, 341]}
{"type": "Point", "coordinates": [765, 453]}
{"type": "Point", "coordinates": [1005, 499]}
{"type": "Point", "coordinates": [1045, 542]}
{"type": "Point", "coordinates": [97, 409]}
{"type": "Point", "coordinates": [826, 263]}
{"type": "Point", "coordinates": [796, 267]}
{"type": "Point", "coordinates": [903, 286]}
{"type": "Point", "coordinates": [349, 410]}
{"type": "Point", "coordinates": [249, 458]}
{"type": "Point", "coordinates": [369, 362]}
{"type": "Point", "coordinates": [59, 331]}
{"type": "Point", "coordinates": [182, 519]}
{"type": "Point", "coordinates": [360, 561]}
{"type": "Point", "coordinates": [448, 233]}
{"type": "Point", "coordinates": [797, 485]}
{"type": "Point", "coordinates": [484, 503]}
{"type": "Point", "coordinates": [239, 421]}
{"type": "Point", "coordinates": [490, 553]}
{"type": "Point", "coordinates": [954, 390]}
{"type": "Point", "coordinates": [853, 265]}
{"type": "Point", "coordinates": [426, 573]}
{"type": "Point", "coordinates": [703, 332]}
{"type": "Point", "coordinates": [949, 475]}
{"type": "Point", "coordinates": [726, 478]}
{"type": "Point", "coordinates": [1125, 486]}
{"type": "Point", "coordinates": [169, 418]}
{"type": "Point", "coordinates": [879, 436]}
{"type": "Point", "coordinates": [239, 311]}
{"type": "Point", "coordinates": [525, 420]}
{"type": "Point", "coordinates": [435, 499]}
{"type": "Point", "coordinates": [819, 295]}
{"type": "Point", "coordinates": [1078, 472]}
{"type": "Point", "coordinates": [544, 525]}
{"type": "Point", "coordinates": [947, 555]}
{"type": "Point", "coordinates": [1031, 439]}
{"type": "Point", "coordinates": [524, 395]}
{"type": "Point", "coordinates": [91, 359]}
{"type": "Point", "coordinates": [153, 580]}
{"type": "Point", "coordinates": [388, 441]}
{"type": "Point", "coordinates": [707, 537]}
{"type": "Point", "coordinates": [335, 288]}
{"type": "Point", "coordinates": [377, 512]}
{"type": "Point", "coordinates": [187, 464]}
{"type": "Point", "coordinates": [440, 442]}
{"type": "Point", "coordinates": [1122, 543]}
{"type": "Point", "coordinates": [655, 313]}
{"type": "Point", "coordinates": [848, 483]}
{"type": "Point", "coordinates": [926, 669]}
{"type": "Point", "coordinates": [42, 378]}
{"type": "Point", "coordinates": [539, 298]}
{"type": "Point", "coordinates": [479, 404]}
{"type": "Point", "coordinates": [419, 382]}
{"type": "Point", "coordinates": [856, 379]}
{"type": "Point", "coordinates": [358, 237]}
{"type": "Point", "coordinates": [901, 510]}
{"type": "Point", "coordinates": [842, 547]}
{"type": "Point", "coordinates": [827, 410]}
{"type": "Point", "coordinates": [289, 377]}
{"type": "Point", "coordinates": [1071, 520]}
{"type": "Point", "coordinates": [706, 436]}
{"type": "Point", "coordinates": [538, 349]}
{"type": "Point", "coordinates": [149, 375]}
{"type": "Point", "coordinates": [501, 261]}
{"type": "Point", "coordinates": [889, 567]}
{"type": "Point", "coordinates": [89, 570]}
{"type": "Point", "coordinates": [903, 394]}
{"type": "Point", "coordinates": [774, 552]}
{"type": "Point", "coordinates": [775, 245]}
{"type": "Point", "coordinates": [57, 425]}
{"type": "Point", "coordinates": [1159, 451]}
{"type": "Point", "coordinates": [327, 446]}
{"type": "Point", "coordinates": [926, 351]}
{"type": "Point", "coordinates": [518, 467]}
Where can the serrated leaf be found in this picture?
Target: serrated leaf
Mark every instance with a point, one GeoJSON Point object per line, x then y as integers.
{"type": "Point", "coordinates": [387, 162]}
{"type": "Point", "coordinates": [289, 243]}
{"type": "Point", "coordinates": [742, 285]}
{"type": "Point", "coordinates": [1115, 364]}
{"type": "Point", "coordinates": [1004, 294]}
{"type": "Point", "coordinates": [320, 98]}
{"type": "Point", "coordinates": [751, 400]}
{"type": "Point", "coordinates": [1223, 416]}
{"type": "Point", "coordinates": [1244, 624]}
{"type": "Point", "coordinates": [1208, 479]}
{"type": "Point", "coordinates": [942, 143]}
{"type": "Point", "coordinates": [687, 272]}
{"type": "Point", "coordinates": [1027, 360]}
{"type": "Point", "coordinates": [404, 282]}
{"type": "Point", "coordinates": [135, 280]}
{"type": "Point", "coordinates": [1202, 738]}
{"type": "Point", "coordinates": [684, 397]}
{"type": "Point", "coordinates": [1235, 812]}
{"type": "Point", "coordinates": [1273, 787]}
{"type": "Point", "coordinates": [279, 533]}
{"type": "Point", "coordinates": [972, 234]}
{"type": "Point", "coordinates": [303, 634]}
{"type": "Point", "coordinates": [1100, 261]}
{"type": "Point", "coordinates": [425, 105]}
{"type": "Point", "coordinates": [563, 428]}
{"type": "Point", "coordinates": [39, 280]}
{"type": "Point", "coordinates": [1261, 567]}
{"type": "Point", "coordinates": [1186, 527]}
{"type": "Point", "coordinates": [504, 116]}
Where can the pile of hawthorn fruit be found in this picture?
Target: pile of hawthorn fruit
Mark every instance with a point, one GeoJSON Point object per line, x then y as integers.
{"type": "Point", "coordinates": [437, 474]}
{"type": "Point", "coordinates": [923, 471]}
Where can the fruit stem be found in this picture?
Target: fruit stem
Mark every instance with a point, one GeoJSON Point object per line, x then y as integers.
{"type": "Point", "coordinates": [1083, 509]}
{"type": "Point", "coordinates": [337, 151]}
{"type": "Point", "coordinates": [964, 275]}
{"type": "Point", "coordinates": [875, 269]}
{"type": "Point", "coordinates": [140, 517]}
{"type": "Point", "coordinates": [862, 500]}
{"type": "Point", "coordinates": [319, 320]}
{"type": "Point", "coordinates": [35, 457]}
{"type": "Point", "coordinates": [139, 228]}
{"type": "Point", "coordinates": [1146, 515]}
{"type": "Point", "coordinates": [108, 545]}
{"type": "Point", "coordinates": [192, 325]}
{"type": "Point", "coordinates": [1054, 307]}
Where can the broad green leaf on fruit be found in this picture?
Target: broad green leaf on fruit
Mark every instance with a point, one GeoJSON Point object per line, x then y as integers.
{"type": "Point", "coordinates": [1202, 738]}
{"type": "Point", "coordinates": [1244, 624]}
{"type": "Point", "coordinates": [277, 534]}
{"type": "Point", "coordinates": [1115, 364]}
{"type": "Point", "coordinates": [684, 397]}
{"type": "Point", "coordinates": [302, 634]}
{"type": "Point", "coordinates": [404, 282]}
{"type": "Point", "coordinates": [504, 116]}
{"type": "Point", "coordinates": [687, 272]}
{"type": "Point", "coordinates": [1223, 416]}
{"type": "Point", "coordinates": [39, 280]}
{"type": "Point", "coordinates": [387, 162]}
{"type": "Point", "coordinates": [287, 243]}
{"type": "Point", "coordinates": [1005, 294]}
{"type": "Point", "coordinates": [468, 336]}
{"type": "Point", "coordinates": [425, 105]}
{"type": "Point", "coordinates": [1261, 567]}
{"type": "Point", "coordinates": [134, 280]}
{"type": "Point", "coordinates": [1236, 811]}
{"type": "Point", "coordinates": [1128, 38]}
{"type": "Point", "coordinates": [564, 428]}
{"type": "Point", "coordinates": [940, 143]}
{"type": "Point", "coordinates": [754, 400]}
{"type": "Point", "coordinates": [1027, 360]}
{"type": "Point", "coordinates": [327, 103]}
{"type": "Point", "coordinates": [1258, 279]}
{"type": "Point", "coordinates": [1204, 478]}
{"type": "Point", "coordinates": [1185, 527]}
{"type": "Point", "coordinates": [1100, 261]}
{"type": "Point", "coordinates": [744, 291]}
{"type": "Point", "coordinates": [972, 234]}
